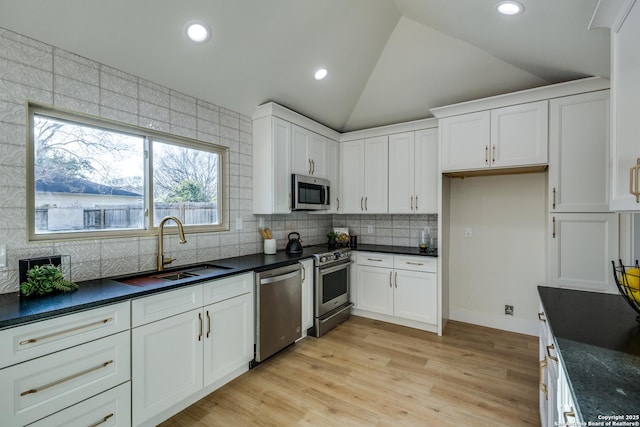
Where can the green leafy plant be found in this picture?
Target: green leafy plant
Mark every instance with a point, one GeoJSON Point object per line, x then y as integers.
{"type": "Point", "coordinates": [332, 235]}
{"type": "Point", "coordinates": [43, 279]}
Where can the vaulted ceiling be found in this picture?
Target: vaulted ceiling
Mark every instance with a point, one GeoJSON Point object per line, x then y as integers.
{"type": "Point", "coordinates": [388, 60]}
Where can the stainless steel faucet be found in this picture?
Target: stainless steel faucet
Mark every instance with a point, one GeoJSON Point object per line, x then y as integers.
{"type": "Point", "coordinates": [161, 259]}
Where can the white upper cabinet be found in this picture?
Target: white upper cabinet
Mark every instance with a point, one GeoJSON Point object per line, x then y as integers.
{"type": "Point", "coordinates": [308, 153]}
{"type": "Point", "coordinates": [578, 153]}
{"type": "Point", "coordinates": [285, 142]}
{"type": "Point", "coordinates": [413, 172]}
{"type": "Point", "coordinates": [519, 135]}
{"type": "Point", "coordinates": [507, 137]}
{"type": "Point", "coordinates": [364, 175]}
{"type": "Point", "coordinates": [271, 166]}
{"type": "Point", "coordinates": [465, 141]}
{"type": "Point", "coordinates": [625, 105]}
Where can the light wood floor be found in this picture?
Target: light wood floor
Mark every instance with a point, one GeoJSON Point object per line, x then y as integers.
{"type": "Point", "coordinates": [370, 373]}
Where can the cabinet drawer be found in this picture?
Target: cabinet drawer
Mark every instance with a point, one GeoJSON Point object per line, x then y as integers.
{"type": "Point", "coordinates": [35, 389]}
{"type": "Point", "coordinates": [109, 409]}
{"type": "Point", "coordinates": [415, 263]}
{"type": "Point", "coordinates": [38, 339]}
{"type": "Point", "coordinates": [160, 306]}
{"type": "Point", "coordinates": [222, 289]}
{"type": "Point", "coordinates": [375, 259]}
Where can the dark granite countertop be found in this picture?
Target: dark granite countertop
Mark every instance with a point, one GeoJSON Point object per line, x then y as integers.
{"type": "Point", "coordinates": [598, 342]}
{"type": "Point", "coordinates": [16, 310]}
{"type": "Point", "coordinates": [400, 250]}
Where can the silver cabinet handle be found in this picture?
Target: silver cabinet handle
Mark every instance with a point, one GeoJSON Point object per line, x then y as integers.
{"type": "Point", "coordinates": [540, 317]}
{"type": "Point", "coordinates": [390, 282]}
{"type": "Point", "coordinates": [365, 204]}
{"type": "Point", "coordinates": [549, 348]}
{"type": "Point", "coordinates": [416, 202]}
{"type": "Point", "coordinates": [554, 198]}
{"type": "Point", "coordinates": [200, 319]}
{"type": "Point", "coordinates": [66, 331]}
{"type": "Point", "coordinates": [411, 202]}
{"type": "Point", "coordinates": [374, 259]}
{"type": "Point", "coordinates": [486, 154]}
{"type": "Point", "coordinates": [338, 204]}
{"type": "Point", "coordinates": [313, 167]}
{"type": "Point", "coordinates": [396, 279]}
{"type": "Point", "coordinates": [309, 167]}
{"type": "Point", "coordinates": [413, 263]}
{"type": "Point", "coordinates": [65, 379]}
{"type": "Point", "coordinates": [493, 154]}
{"type": "Point", "coordinates": [553, 231]}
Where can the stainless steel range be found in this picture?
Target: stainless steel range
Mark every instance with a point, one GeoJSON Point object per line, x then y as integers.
{"type": "Point", "coordinates": [331, 294]}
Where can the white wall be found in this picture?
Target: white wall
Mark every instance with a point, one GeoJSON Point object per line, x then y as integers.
{"type": "Point", "coordinates": [504, 260]}
{"type": "Point", "coordinates": [36, 71]}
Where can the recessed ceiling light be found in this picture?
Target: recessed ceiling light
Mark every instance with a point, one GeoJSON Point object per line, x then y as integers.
{"type": "Point", "coordinates": [510, 7]}
{"type": "Point", "coordinates": [320, 74]}
{"type": "Point", "coordinates": [198, 32]}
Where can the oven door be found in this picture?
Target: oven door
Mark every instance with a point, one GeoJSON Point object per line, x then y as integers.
{"type": "Point", "coordinates": [332, 287]}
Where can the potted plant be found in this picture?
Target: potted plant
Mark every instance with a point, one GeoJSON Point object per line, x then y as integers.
{"type": "Point", "coordinates": [332, 236]}
{"type": "Point", "coordinates": [44, 279]}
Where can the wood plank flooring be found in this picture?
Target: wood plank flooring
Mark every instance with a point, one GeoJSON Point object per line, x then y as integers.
{"type": "Point", "coordinates": [371, 373]}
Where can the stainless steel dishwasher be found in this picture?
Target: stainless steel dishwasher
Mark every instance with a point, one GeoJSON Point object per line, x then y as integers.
{"type": "Point", "coordinates": [278, 309]}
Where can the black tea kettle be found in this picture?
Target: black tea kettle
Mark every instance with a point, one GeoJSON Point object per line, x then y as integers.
{"type": "Point", "coordinates": [295, 245]}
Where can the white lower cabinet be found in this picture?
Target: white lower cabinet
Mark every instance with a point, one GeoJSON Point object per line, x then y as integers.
{"type": "Point", "coordinates": [110, 409]}
{"type": "Point", "coordinates": [228, 337]}
{"type": "Point", "coordinates": [166, 363]}
{"type": "Point", "coordinates": [178, 359]}
{"type": "Point", "coordinates": [557, 405]}
{"type": "Point", "coordinates": [401, 288]}
{"type": "Point", "coordinates": [582, 246]}
{"type": "Point", "coordinates": [307, 294]}
{"type": "Point", "coordinates": [40, 387]}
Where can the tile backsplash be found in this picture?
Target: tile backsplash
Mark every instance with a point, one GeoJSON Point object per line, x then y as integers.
{"type": "Point", "coordinates": [35, 71]}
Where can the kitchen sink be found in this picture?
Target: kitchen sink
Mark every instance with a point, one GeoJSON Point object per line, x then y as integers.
{"type": "Point", "coordinates": [201, 270]}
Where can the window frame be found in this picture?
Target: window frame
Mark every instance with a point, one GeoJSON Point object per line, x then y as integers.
{"type": "Point", "coordinates": [149, 135]}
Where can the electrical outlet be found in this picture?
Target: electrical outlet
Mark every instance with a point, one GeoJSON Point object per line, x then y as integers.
{"type": "Point", "coordinates": [508, 310]}
{"type": "Point", "coordinates": [239, 223]}
{"type": "Point", "coordinates": [3, 256]}
{"type": "Point", "coordinates": [261, 223]}
{"type": "Point", "coordinates": [370, 229]}
{"type": "Point", "coordinates": [468, 232]}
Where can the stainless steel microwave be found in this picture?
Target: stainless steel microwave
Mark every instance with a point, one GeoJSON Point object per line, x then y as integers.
{"type": "Point", "coordinates": [309, 193]}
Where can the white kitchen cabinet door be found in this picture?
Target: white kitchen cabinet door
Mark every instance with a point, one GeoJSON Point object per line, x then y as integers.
{"type": "Point", "coordinates": [300, 161]}
{"type": "Point", "coordinates": [271, 166]}
{"type": "Point", "coordinates": [228, 337]}
{"type": "Point", "coordinates": [465, 141]}
{"type": "Point", "coordinates": [415, 295]}
{"type": "Point", "coordinates": [519, 135]}
{"type": "Point", "coordinates": [352, 176]}
{"type": "Point", "coordinates": [166, 363]}
{"type": "Point", "coordinates": [375, 289]}
{"type": "Point", "coordinates": [317, 152]}
{"type": "Point", "coordinates": [308, 152]}
{"type": "Point", "coordinates": [307, 293]}
{"type": "Point", "coordinates": [426, 171]}
{"type": "Point", "coordinates": [582, 247]}
{"type": "Point", "coordinates": [402, 172]}
{"type": "Point", "coordinates": [376, 174]}
{"type": "Point", "coordinates": [333, 175]}
{"type": "Point", "coordinates": [578, 153]}
{"type": "Point", "coordinates": [625, 105]}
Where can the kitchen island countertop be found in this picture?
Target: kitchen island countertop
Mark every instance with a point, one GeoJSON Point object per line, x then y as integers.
{"type": "Point", "coordinates": [598, 341]}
